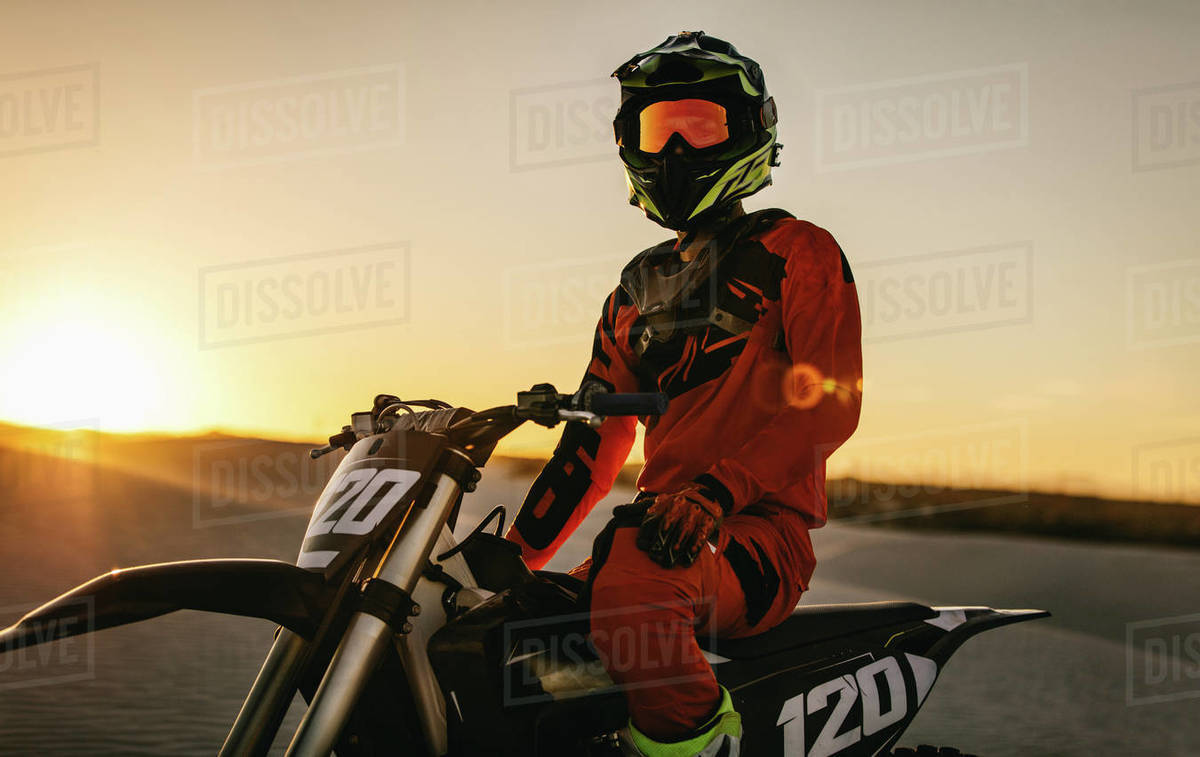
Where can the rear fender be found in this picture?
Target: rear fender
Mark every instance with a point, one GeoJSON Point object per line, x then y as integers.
{"type": "Point", "coordinates": [961, 623]}
{"type": "Point", "coordinates": [271, 589]}
{"type": "Point", "coordinates": [854, 695]}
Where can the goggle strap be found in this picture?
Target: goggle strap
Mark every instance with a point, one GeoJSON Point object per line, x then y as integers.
{"type": "Point", "coordinates": [767, 113]}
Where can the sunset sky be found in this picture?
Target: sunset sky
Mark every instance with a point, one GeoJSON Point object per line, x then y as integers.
{"type": "Point", "coordinates": [1015, 185]}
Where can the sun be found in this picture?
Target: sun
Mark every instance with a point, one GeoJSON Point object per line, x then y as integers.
{"type": "Point", "coordinates": [77, 372]}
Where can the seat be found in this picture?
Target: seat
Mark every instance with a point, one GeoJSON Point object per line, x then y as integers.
{"type": "Point", "coordinates": [810, 624]}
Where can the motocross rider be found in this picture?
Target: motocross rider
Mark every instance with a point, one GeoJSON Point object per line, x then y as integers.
{"type": "Point", "coordinates": [750, 324]}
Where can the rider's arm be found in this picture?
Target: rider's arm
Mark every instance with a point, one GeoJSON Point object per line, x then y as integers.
{"type": "Point", "coordinates": [586, 461]}
{"type": "Point", "coordinates": [823, 334]}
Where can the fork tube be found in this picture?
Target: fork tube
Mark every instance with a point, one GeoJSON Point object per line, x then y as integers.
{"type": "Point", "coordinates": [367, 636]}
{"type": "Point", "coordinates": [268, 700]}
{"type": "Point", "coordinates": [409, 551]}
{"type": "Point", "coordinates": [349, 670]}
{"type": "Point", "coordinates": [427, 696]}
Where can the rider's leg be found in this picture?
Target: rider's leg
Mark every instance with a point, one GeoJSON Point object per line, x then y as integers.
{"type": "Point", "coordinates": [645, 617]}
{"type": "Point", "coordinates": [642, 625]}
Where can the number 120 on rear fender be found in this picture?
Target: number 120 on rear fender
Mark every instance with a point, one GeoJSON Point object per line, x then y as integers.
{"type": "Point", "coordinates": [851, 708]}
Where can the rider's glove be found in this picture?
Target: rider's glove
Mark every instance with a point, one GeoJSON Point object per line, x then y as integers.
{"type": "Point", "coordinates": [678, 525]}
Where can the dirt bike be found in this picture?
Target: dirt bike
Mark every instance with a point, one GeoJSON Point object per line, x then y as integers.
{"type": "Point", "coordinates": [404, 640]}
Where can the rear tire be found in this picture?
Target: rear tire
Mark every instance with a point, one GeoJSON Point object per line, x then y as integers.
{"type": "Point", "coordinates": [925, 750]}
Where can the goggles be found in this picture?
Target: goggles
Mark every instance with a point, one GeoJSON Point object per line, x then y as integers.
{"type": "Point", "coordinates": [702, 123]}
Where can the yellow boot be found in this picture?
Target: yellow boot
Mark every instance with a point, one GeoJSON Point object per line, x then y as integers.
{"type": "Point", "coordinates": [719, 737]}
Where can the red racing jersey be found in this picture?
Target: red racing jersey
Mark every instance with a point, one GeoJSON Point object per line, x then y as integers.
{"type": "Point", "coordinates": [755, 410]}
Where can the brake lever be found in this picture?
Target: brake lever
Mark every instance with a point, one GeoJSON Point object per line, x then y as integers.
{"type": "Point", "coordinates": [345, 440]}
{"type": "Point", "coordinates": [583, 416]}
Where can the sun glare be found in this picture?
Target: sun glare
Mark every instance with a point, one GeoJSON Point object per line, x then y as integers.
{"type": "Point", "coordinates": [78, 373]}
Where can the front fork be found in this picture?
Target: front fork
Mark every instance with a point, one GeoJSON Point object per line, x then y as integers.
{"type": "Point", "coordinates": [268, 700]}
{"type": "Point", "coordinates": [367, 635]}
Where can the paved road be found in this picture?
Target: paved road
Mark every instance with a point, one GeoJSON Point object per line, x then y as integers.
{"type": "Point", "coordinates": [1049, 687]}
{"type": "Point", "coordinates": [1054, 687]}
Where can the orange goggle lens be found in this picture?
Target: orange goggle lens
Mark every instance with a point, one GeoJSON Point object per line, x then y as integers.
{"type": "Point", "coordinates": [700, 122]}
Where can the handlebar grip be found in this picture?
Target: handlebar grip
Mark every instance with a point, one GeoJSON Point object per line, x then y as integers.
{"type": "Point", "coordinates": [633, 403]}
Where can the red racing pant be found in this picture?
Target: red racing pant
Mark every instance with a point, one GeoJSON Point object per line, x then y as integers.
{"type": "Point", "coordinates": [645, 618]}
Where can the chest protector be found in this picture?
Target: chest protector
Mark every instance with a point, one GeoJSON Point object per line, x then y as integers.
{"type": "Point", "coordinates": [676, 299]}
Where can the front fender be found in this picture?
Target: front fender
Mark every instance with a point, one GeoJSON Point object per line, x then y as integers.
{"type": "Point", "coordinates": [272, 589]}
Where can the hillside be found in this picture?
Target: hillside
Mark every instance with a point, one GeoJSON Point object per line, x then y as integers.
{"type": "Point", "coordinates": [230, 480]}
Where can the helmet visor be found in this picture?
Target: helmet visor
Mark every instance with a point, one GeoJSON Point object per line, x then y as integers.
{"type": "Point", "coordinates": [702, 123]}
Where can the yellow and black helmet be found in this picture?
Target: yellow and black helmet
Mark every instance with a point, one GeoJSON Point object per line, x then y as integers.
{"type": "Point", "coordinates": [696, 129]}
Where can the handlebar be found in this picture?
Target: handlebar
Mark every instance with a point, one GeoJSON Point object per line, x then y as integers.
{"type": "Point", "coordinates": [634, 403]}
{"type": "Point", "coordinates": [542, 404]}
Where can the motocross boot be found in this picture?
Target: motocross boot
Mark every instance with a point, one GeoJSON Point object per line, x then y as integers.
{"type": "Point", "coordinates": [721, 736]}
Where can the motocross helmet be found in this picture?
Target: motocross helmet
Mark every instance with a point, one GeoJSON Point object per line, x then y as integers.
{"type": "Point", "coordinates": [695, 130]}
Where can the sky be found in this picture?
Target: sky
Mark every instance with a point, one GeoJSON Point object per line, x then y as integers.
{"type": "Point", "coordinates": [254, 217]}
